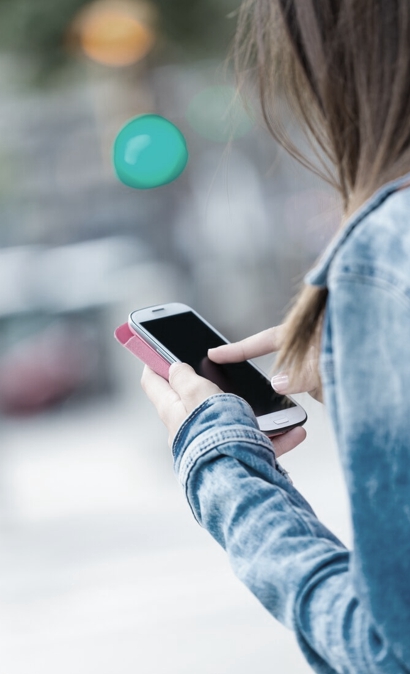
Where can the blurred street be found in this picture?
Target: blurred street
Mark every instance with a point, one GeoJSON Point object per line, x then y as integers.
{"type": "Point", "coordinates": [103, 569]}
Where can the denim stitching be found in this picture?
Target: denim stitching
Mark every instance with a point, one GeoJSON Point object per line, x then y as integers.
{"type": "Point", "coordinates": [206, 403]}
{"type": "Point", "coordinates": [190, 457]}
{"type": "Point", "coordinates": [374, 203]}
{"type": "Point", "coordinates": [375, 281]}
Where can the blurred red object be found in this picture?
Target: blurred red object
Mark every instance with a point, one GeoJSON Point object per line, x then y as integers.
{"type": "Point", "coordinates": [44, 370]}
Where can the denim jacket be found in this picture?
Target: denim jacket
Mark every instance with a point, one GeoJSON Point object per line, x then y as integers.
{"type": "Point", "coordinates": [350, 610]}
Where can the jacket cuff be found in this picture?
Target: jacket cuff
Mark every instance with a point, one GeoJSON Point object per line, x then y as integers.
{"type": "Point", "coordinates": [221, 419]}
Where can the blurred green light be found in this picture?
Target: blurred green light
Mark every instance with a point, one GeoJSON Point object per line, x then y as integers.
{"type": "Point", "coordinates": [148, 152]}
{"type": "Point", "coordinates": [217, 114]}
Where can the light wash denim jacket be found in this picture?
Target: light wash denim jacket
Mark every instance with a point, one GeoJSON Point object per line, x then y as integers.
{"type": "Point", "coordinates": [350, 610]}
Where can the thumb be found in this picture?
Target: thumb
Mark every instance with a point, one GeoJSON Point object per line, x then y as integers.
{"type": "Point", "coordinates": [191, 388]}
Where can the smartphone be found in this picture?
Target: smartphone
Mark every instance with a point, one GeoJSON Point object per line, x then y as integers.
{"type": "Point", "coordinates": [176, 333]}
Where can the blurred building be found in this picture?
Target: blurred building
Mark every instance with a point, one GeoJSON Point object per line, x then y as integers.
{"type": "Point", "coordinates": [93, 531]}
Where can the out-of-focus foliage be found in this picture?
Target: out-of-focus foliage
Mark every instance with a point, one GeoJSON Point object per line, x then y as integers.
{"type": "Point", "coordinates": [39, 28]}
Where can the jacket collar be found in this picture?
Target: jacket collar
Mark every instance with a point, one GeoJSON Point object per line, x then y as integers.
{"type": "Point", "coordinates": [317, 276]}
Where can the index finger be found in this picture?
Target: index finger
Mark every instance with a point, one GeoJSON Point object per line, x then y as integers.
{"type": "Point", "coordinates": [260, 344]}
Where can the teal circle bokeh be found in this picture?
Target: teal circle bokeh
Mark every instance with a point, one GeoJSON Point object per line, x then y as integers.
{"type": "Point", "coordinates": [149, 151]}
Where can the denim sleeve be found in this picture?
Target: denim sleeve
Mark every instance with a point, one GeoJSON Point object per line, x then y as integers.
{"type": "Point", "coordinates": [275, 543]}
{"type": "Point", "coordinates": [277, 547]}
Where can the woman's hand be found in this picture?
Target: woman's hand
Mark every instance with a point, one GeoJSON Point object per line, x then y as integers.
{"type": "Point", "coordinates": [175, 400]}
{"type": "Point", "coordinates": [266, 342]}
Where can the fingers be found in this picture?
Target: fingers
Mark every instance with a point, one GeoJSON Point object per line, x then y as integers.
{"type": "Point", "coordinates": [288, 441]}
{"type": "Point", "coordinates": [175, 399]}
{"type": "Point", "coordinates": [184, 391]}
{"type": "Point", "coordinates": [307, 379]}
{"type": "Point", "coordinates": [260, 344]}
{"type": "Point", "coordinates": [190, 387]}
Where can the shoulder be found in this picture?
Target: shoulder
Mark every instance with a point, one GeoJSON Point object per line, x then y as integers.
{"type": "Point", "coordinates": [379, 246]}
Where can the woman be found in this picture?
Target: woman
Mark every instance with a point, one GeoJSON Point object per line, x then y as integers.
{"type": "Point", "coordinates": [344, 67]}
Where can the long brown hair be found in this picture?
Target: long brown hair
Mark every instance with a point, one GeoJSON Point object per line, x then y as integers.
{"type": "Point", "coordinates": [342, 67]}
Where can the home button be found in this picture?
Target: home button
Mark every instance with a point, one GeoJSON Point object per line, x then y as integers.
{"type": "Point", "coordinates": [281, 420]}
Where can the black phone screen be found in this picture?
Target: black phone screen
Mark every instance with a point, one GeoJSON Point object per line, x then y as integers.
{"type": "Point", "coordinates": [189, 339]}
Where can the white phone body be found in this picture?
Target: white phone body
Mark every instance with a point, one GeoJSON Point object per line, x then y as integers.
{"type": "Point", "coordinates": [273, 423]}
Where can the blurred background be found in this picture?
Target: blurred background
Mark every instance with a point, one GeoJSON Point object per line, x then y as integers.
{"type": "Point", "coordinates": [102, 567]}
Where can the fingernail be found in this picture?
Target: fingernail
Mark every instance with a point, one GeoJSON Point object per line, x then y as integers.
{"type": "Point", "coordinates": [280, 382]}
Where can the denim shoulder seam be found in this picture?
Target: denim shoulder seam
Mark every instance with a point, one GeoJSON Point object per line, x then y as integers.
{"type": "Point", "coordinates": [318, 275]}
{"type": "Point", "coordinates": [370, 269]}
{"type": "Point", "coordinates": [401, 294]}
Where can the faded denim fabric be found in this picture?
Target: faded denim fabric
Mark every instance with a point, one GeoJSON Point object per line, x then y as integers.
{"type": "Point", "coordinates": [350, 610]}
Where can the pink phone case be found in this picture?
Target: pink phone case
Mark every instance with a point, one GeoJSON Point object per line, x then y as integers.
{"type": "Point", "coordinates": [134, 343]}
